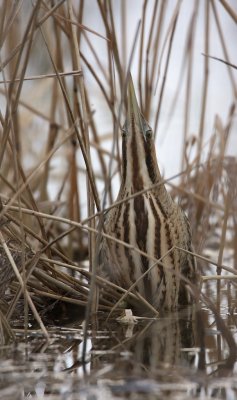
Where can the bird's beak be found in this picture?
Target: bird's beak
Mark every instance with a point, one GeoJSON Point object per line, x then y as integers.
{"type": "Point", "coordinates": [134, 113]}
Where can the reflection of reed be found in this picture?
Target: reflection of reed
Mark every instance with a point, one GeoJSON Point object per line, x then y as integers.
{"type": "Point", "coordinates": [217, 337]}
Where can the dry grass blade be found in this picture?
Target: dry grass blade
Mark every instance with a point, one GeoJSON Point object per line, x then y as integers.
{"type": "Point", "coordinates": [33, 78]}
{"type": "Point", "coordinates": [220, 59]}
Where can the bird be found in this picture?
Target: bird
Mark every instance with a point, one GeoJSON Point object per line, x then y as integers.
{"type": "Point", "coordinates": [151, 222]}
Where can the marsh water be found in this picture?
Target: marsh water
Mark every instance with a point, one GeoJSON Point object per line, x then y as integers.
{"type": "Point", "coordinates": [182, 355]}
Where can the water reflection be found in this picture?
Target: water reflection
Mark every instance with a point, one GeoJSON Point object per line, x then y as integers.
{"type": "Point", "coordinates": [177, 356]}
{"type": "Point", "coordinates": [180, 351]}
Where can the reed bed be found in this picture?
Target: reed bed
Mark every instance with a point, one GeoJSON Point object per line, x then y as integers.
{"type": "Point", "coordinates": [62, 89]}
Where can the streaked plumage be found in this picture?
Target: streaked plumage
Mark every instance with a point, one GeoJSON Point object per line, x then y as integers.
{"type": "Point", "coordinates": [153, 222]}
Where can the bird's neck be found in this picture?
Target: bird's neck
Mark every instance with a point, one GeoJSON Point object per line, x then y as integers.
{"type": "Point", "coordinates": [140, 170]}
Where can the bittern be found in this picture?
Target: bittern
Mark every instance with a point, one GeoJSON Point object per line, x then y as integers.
{"type": "Point", "coordinates": [151, 222]}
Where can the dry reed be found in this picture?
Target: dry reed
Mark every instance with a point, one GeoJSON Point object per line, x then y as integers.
{"type": "Point", "coordinates": [53, 144]}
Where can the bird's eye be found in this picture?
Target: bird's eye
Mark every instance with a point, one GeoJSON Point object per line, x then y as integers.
{"type": "Point", "coordinates": [149, 134]}
{"type": "Point", "coordinates": [124, 133]}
